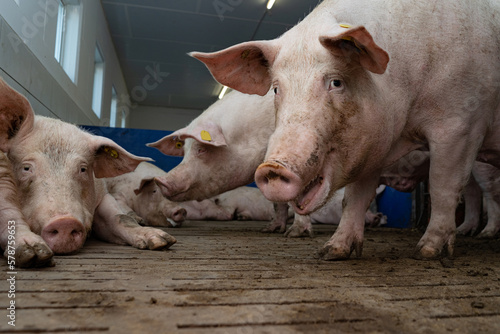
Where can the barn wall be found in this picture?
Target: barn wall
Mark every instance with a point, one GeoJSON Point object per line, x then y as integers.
{"type": "Point", "coordinates": [157, 118]}
{"type": "Point", "coordinates": [27, 62]}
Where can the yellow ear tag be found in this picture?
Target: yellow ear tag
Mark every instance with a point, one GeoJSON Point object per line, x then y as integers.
{"type": "Point", "coordinates": [205, 136]}
{"type": "Point", "coordinates": [178, 144]}
{"type": "Point", "coordinates": [111, 152]}
{"type": "Point", "coordinates": [343, 25]}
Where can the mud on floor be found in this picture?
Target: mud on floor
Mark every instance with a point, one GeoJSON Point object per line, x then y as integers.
{"type": "Point", "coordinates": [227, 277]}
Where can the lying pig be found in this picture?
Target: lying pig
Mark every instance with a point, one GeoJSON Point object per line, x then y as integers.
{"type": "Point", "coordinates": [59, 169]}
{"type": "Point", "coordinates": [331, 212]}
{"type": "Point", "coordinates": [221, 149]}
{"type": "Point", "coordinates": [137, 194]}
{"type": "Point", "coordinates": [360, 83]}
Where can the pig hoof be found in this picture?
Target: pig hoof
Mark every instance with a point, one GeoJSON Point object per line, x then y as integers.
{"type": "Point", "coordinates": [333, 253]}
{"type": "Point", "coordinates": [271, 228]}
{"type": "Point", "coordinates": [38, 255]}
{"type": "Point", "coordinates": [426, 252]}
{"type": "Point", "coordinates": [136, 217]}
{"type": "Point", "coordinates": [295, 232]}
{"type": "Point", "coordinates": [159, 242]}
{"type": "Point", "coordinates": [486, 235]}
{"type": "Point", "coordinates": [466, 230]}
{"type": "Point", "coordinates": [431, 253]}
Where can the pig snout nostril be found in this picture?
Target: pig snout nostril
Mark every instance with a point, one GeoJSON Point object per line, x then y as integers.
{"type": "Point", "coordinates": [276, 182]}
{"type": "Point", "coordinates": [64, 235]}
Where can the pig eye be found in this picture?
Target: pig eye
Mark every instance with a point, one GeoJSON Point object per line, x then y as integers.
{"type": "Point", "coordinates": [26, 168]}
{"type": "Point", "coordinates": [276, 91]}
{"type": "Point", "coordinates": [83, 169]}
{"type": "Point", "coordinates": [335, 84]}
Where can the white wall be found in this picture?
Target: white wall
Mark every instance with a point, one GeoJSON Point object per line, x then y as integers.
{"type": "Point", "coordinates": [158, 118]}
{"type": "Point", "coordinates": [27, 42]}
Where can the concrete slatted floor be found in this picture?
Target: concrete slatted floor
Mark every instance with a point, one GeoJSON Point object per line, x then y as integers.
{"type": "Point", "coordinates": [227, 277]}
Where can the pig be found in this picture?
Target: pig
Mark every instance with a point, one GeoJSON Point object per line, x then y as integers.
{"type": "Point", "coordinates": [247, 203]}
{"type": "Point", "coordinates": [406, 173]}
{"type": "Point", "coordinates": [488, 179]}
{"type": "Point", "coordinates": [138, 195]}
{"type": "Point", "coordinates": [221, 150]}
{"type": "Point", "coordinates": [21, 246]}
{"type": "Point", "coordinates": [331, 212]}
{"type": "Point", "coordinates": [360, 83]}
{"type": "Point", "coordinates": [58, 170]}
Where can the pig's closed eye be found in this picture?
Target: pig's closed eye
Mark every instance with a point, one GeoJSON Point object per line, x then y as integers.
{"type": "Point", "coordinates": [201, 150]}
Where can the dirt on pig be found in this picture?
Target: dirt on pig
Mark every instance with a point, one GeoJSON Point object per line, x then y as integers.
{"type": "Point", "coordinates": [227, 277]}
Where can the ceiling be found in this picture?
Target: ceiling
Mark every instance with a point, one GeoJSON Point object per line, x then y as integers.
{"type": "Point", "coordinates": [154, 36]}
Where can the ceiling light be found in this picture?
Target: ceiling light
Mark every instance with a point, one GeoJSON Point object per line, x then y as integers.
{"type": "Point", "coordinates": [222, 92]}
{"type": "Point", "coordinates": [270, 4]}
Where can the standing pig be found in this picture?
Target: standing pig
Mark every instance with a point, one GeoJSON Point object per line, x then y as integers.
{"type": "Point", "coordinates": [360, 83]}
{"type": "Point", "coordinates": [58, 169]}
{"type": "Point", "coordinates": [221, 149]}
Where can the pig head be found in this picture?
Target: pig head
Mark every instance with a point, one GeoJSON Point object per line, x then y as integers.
{"type": "Point", "coordinates": [55, 165]}
{"type": "Point", "coordinates": [155, 209]}
{"type": "Point", "coordinates": [219, 154]}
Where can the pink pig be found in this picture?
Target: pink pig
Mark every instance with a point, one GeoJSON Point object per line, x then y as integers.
{"type": "Point", "coordinates": [221, 149]}
{"type": "Point", "coordinates": [58, 170]}
{"type": "Point", "coordinates": [139, 196]}
{"type": "Point", "coordinates": [358, 84]}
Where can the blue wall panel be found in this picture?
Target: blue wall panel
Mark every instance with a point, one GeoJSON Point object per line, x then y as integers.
{"type": "Point", "coordinates": [135, 140]}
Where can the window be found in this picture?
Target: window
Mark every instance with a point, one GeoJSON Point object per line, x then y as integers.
{"type": "Point", "coordinates": [114, 106]}
{"type": "Point", "coordinates": [98, 82]}
{"type": "Point", "coordinates": [68, 36]}
{"type": "Point", "coordinates": [124, 119]}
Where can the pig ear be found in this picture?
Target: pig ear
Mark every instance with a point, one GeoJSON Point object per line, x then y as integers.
{"type": "Point", "coordinates": [205, 132]}
{"type": "Point", "coordinates": [243, 67]}
{"type": "Point", "coordinates": [357, 43]}
{"type": "Point", "coordinates": [171, 145]}
{"type": "Point", "coordinates": [111, 159]}
{"type": "Point", "coordinates": [144, 183]}
{"type": "Point", "coordinates": [16, 115]}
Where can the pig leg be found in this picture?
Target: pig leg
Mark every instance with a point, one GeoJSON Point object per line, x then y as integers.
{"type": "Point", "coordinates": [301, 227]}
{"type": "Point", "coordinates": [493, 225]}
{"type": "Point", "coordinates": [349, 233]}
{"type": "Point", "coordinates": [111, 225]}
{"type": "Point", "coordinates": [29, 249]}
{"type": "Point", "coordinates": [472, 198]}
{"type": "Point", "coordinates": [488, 178]}
{"type": "Point", "coordinates": [279, 220]}
{"type": "Point", "coordinates": [122, 203]}
{"type": "Point", "coordinates": [451, 164]}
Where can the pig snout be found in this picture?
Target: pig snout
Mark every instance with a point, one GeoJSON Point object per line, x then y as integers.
{"type": "Point", "coordinates": [179, 214]}
{"type": "Point", "coordinates": [277, 183]}
{"type": "Point", "coordinates": [64, 235]}
{"type": "Point", "coordinates": [171, 190]}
